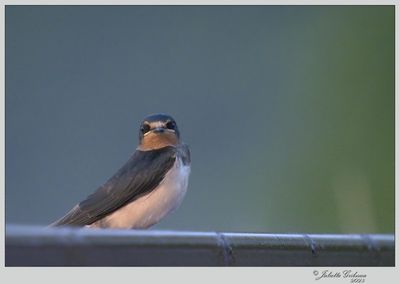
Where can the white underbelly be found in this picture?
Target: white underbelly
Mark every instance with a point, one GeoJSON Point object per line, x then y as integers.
{"type": "Point", "coordinates": [151, 208]}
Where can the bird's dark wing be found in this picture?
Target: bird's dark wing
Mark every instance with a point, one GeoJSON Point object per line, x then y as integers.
{"type": "Point", "coordinates": [141, 174]}
{"type": "Point", "coordinates": [184, 153]}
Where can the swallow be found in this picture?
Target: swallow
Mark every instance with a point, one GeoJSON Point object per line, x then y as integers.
{"type": "Point", "coordinates": [151, 184]}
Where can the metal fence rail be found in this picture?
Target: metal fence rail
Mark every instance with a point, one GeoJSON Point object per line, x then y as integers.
{"type": "Point", "coordinates": [37, 246]}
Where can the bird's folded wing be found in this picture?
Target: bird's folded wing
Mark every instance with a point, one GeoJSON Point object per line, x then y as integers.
{"type": "Point", "coordinates": [184, 153]}
{"type": "Point", "coordinates": [140, 175]}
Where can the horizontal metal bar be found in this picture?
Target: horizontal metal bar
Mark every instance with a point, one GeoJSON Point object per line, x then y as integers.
{"type": "Point", "coordinates": [38, 246]}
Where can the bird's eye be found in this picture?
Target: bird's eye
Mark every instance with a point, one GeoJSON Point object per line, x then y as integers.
{"type": "Point", "coordinates": [170, 125]}
{"type": "Point", "coordinates": [145, 128]}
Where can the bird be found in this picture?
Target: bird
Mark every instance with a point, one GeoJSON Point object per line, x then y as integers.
{"type": "Point", "coordinates": [150, 185]}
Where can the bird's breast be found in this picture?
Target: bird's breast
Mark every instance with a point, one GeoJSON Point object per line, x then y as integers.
{"type": "Point", "coordinates": [152, 207]}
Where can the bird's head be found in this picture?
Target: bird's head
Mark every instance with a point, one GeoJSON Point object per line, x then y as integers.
{"type": "Point", "coordinates": [158, 131]}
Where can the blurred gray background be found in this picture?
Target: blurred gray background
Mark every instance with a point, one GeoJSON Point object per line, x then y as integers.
{"type": "Point", "coordinates": [289, 111]}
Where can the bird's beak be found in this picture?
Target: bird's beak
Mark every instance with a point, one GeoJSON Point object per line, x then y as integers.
{"type": "Point", "coordinates": [158, 130]}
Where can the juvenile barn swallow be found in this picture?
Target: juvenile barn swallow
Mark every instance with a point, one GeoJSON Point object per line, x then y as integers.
{"type": "Point", "coordinates": [150, 185]}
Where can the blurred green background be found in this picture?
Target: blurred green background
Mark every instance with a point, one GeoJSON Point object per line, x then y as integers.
{"type": "Point", "coordinates": [289, 110]}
